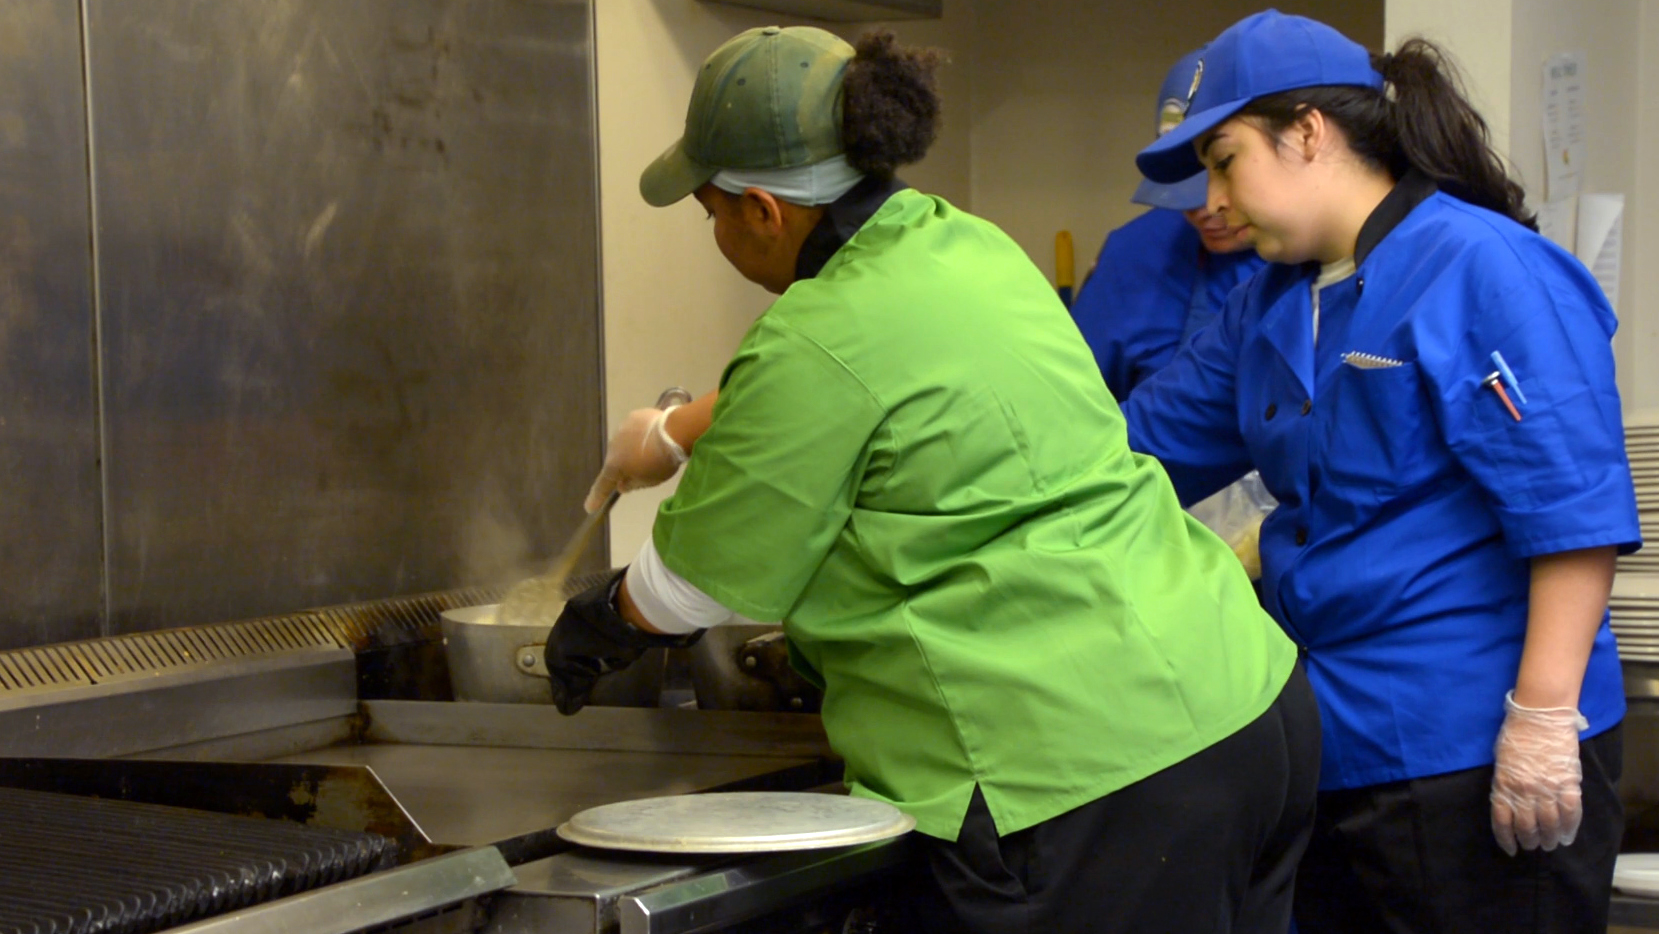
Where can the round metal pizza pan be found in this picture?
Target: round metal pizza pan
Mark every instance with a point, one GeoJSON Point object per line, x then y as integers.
{"type": "Point", "coordinates": [736, 822]}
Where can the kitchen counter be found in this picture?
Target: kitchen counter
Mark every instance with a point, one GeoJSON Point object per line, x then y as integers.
{"type": "Point", "coordinates": [1631, 914]}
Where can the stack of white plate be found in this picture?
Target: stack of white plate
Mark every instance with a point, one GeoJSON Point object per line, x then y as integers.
{"type": "Point", "coordinates": [1635, 610]}
{"type": "Point", "coordinates": [1637, 874]}
{"type": "Point", "coordinates": [1641, 440]}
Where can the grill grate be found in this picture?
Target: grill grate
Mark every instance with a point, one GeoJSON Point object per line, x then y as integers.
{"type": "Point", "coordinates": [73, 865]}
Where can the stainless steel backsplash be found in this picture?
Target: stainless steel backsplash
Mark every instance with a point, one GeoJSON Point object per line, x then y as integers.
{"type": "Point", "coordinates": [298, 303]}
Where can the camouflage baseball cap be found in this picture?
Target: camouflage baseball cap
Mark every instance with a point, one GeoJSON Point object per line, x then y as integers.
{"type": "Point", "coordinates": [770, 98]}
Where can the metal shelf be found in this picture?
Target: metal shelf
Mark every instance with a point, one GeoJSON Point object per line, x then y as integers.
{"type": "Point", "coordinates": [846, 11]}
{"type": "Point", "coordinates": [1641, 680]}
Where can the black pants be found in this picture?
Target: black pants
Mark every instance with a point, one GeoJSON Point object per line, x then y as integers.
{"type": "Point", "coordinates": [1209, 844]}
{"type": "Point", "coordinates": [1418, 856]}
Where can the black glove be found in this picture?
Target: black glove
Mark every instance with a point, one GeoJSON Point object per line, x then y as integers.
{"type": "Point", "coordinates": [591, 639]}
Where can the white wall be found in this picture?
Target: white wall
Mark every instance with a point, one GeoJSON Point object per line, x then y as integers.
{"type": "Point", "coordinates": [1641, 322]}
{"type": "Point", "coordinates": [673, 310]}
{"type": "Point", "coordinates": [1478, 33]}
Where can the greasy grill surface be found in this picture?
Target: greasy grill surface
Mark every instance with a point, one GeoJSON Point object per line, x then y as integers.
{"type": "Point", "coordinates": [74, 864]}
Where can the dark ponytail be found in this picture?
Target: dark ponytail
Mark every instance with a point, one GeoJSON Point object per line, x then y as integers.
{"type": "Point", "coordinates": [1422, 121]}
{"type": "Point", "coordinates": [890, 112]}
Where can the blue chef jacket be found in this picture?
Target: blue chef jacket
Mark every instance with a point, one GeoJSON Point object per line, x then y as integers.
{"type": "Point", "coordinates": [1410, 499]}
{"type": "Point", "coordinates": [1153, 287]}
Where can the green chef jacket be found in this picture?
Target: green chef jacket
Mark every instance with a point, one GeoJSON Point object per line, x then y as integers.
{"type": "Point", "coordinates": [916, 466]}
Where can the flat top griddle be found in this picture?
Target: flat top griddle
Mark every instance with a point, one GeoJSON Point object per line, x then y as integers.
{"type": "Point", "coordinates": [76, 865]}
{"type": "Point", "coordinates": [479, 796]}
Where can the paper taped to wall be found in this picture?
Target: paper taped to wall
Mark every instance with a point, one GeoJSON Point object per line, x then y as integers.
{"type": "Point", "coordinates": [1601, 240]}
{"type": "Point", "coordinates": [1565, 148]}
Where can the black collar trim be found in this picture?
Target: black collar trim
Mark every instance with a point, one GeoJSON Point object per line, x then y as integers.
{"type": "Point", "coordinates": [1410, 191]}
{"type": "Point", "coordinates": [842, 218]}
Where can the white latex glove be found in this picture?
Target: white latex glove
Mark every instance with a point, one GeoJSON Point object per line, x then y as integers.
{"type": "Point", "coordinates": [640, 454]}
{"type": "Point", "coordinates": [1536, 795]}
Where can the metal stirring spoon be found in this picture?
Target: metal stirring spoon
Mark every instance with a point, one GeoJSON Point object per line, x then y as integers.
{"type": "Point", "coordinates": [536, 601]}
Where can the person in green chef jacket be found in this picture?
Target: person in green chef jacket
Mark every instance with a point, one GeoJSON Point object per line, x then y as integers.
{"type": "Point", "coordinates": [915, 466]}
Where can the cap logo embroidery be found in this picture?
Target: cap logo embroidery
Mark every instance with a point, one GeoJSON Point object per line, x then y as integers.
{"type": "Point", "coordinates": [1170, 114]}
{"type": "Point", "coordinates": [1197, 78]}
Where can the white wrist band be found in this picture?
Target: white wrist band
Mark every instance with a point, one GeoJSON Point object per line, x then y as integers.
{"type": "Point", "coordinates": [1509, 702]}
{"type": "Point", "coordinates": [659, 430]}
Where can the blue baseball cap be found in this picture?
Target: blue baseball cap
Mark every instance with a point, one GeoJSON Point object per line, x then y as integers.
{"type": "Point", "coordinates": [1259, 55]}
{"type": "Point", "coordinates": [1191, 193]}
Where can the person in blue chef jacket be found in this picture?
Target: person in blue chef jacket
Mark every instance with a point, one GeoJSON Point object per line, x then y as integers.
{"type": "Point", "coordinates": [1157, 281]}
{"type": "Point", "coordinates": [1426, 385]}
{"type": "Point", "coordinates": [1165, 274]}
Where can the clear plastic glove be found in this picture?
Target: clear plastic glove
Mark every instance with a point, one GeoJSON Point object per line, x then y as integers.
{"type": "Point", "coordinates": [1536, 795]}
{"type": "Point", "coordinates": [640, 454]}
{"type": "Point", "coordinates": [1235, 514]}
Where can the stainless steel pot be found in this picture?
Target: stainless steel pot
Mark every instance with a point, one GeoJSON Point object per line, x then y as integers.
{"type": "Point", "coordinates": [504, 664]}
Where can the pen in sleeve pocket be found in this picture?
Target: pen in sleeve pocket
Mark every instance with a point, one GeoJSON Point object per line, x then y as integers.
{"type": "Point", "coordinates": [1509, 377]}
{"type": "Point", "coordinates": [1495, 383]}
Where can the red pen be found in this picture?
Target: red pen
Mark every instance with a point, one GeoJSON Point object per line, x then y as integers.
{"type": "Point", "coordinates": [1495, 383]}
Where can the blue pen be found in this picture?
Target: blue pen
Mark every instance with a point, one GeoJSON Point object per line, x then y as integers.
{"type": "Point", "coordinates": [1509, 378]}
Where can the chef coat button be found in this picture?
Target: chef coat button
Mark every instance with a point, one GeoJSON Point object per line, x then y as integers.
{"type": "Point", "coordinates": [1272, 410]}
{"type": "Point", "coordinates": [1307, 406]}
{"type": "Point", "coordinates": [1302, 535]}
